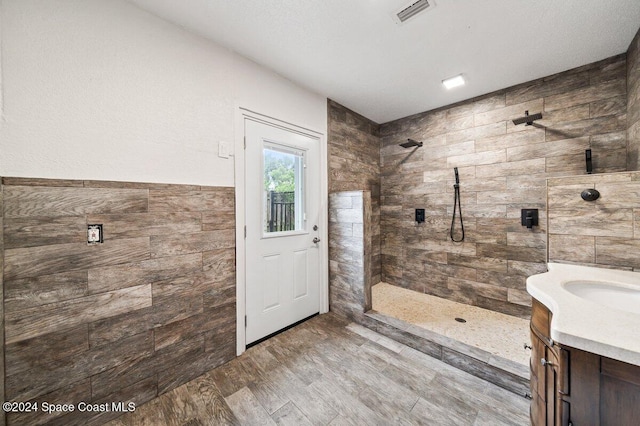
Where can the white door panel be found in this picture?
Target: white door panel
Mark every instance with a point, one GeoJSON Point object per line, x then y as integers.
{"type": "Point", "coordinates": [282, 217]}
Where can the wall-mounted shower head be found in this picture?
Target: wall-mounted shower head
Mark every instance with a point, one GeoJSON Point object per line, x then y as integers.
{"type": "Point", "coordinates": [410, 143]}
{"type": "Point", "coordinates": [529, 119]}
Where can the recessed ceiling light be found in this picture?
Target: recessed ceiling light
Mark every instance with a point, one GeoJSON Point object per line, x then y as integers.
{"type": "Point", "coordinates": [452, 82]}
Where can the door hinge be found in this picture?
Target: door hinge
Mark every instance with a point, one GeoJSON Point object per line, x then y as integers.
{"type": "Point", "coordinates": [245, 321]}
{"type": "Point", "coordinates": [245, 231]}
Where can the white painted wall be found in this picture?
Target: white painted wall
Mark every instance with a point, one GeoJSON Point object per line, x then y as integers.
{"type": "Point", "coordinates": [98, 89]}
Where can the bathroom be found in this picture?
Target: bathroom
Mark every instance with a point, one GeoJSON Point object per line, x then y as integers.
{"type": "Point", "coordinates": [87, 138]}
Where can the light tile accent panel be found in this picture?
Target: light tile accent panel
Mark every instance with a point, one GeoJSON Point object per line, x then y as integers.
{"type": "Point", "coordinates": [605, 232]}
{"type": "Point", "coordinates": [146, 311]}
{"type": "Point", "coordinates": [354, 165]}
{"type": "Point", "coordinates": [503, 168]}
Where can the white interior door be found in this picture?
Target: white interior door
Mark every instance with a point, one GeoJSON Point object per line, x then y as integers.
{"type": "Point", "coordinates": [282, 235]}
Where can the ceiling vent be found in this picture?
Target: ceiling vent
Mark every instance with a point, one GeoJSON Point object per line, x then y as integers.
{"type": "Point", "coordinates": [412, 10]}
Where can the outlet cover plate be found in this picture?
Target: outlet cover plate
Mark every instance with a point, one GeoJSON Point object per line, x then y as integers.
{"type": "Point", "coordinates": [94, 234]}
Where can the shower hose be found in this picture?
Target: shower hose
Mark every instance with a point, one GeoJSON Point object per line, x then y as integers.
{"type": "Point", "coordinates": [456, 204]}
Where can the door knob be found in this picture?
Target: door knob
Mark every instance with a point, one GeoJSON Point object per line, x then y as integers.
{"type": "Point", "coordinates": [545, 363]}
{"type": "Point", "coordinates": [316, 240]}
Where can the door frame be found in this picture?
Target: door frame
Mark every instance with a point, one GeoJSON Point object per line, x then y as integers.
{"type": "Point", "coordinates": [242, 114]}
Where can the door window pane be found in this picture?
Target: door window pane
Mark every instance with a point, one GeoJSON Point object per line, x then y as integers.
{"type": "Point", "coordinates": [283, 175]}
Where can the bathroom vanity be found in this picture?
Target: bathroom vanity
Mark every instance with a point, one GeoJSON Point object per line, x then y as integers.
{"type": "Point", "coordinates": [585, 347]}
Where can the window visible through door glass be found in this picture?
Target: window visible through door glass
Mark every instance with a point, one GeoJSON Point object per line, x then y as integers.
{"type": "Point", "coordinates": [283, 176]}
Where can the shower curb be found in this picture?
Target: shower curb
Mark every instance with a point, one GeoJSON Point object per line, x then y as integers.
{"type": "Point", "coordinates": [500, 371]}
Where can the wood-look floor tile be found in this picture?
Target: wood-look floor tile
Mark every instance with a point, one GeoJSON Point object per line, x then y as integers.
{"type": "Point", "coordinates": [290, 415]}
{"type": "Point", "coordinates": [247, 409]}
{"type": "Point", "coordinates": [355, 381]}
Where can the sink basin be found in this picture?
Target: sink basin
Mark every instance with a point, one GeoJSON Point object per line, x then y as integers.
{"type": "Point", "coordinates": [609, 294]}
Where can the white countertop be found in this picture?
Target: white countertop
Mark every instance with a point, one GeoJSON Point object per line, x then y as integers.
{"type": "Point", "coordinates": [587, 325]}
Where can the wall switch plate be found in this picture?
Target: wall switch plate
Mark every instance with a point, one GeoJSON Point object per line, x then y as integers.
{"type": "Point", "coordinates": [223, 149]}
{"type": "Point", "coordinates": [94, 234]}
{"type": "Point", "coordinates": [420, 215]}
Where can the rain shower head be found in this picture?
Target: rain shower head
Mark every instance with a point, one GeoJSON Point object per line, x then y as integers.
{"type": "Point", "coordinates": [529, 119]}
{"type": "Point", "coordinates": [410, 143]}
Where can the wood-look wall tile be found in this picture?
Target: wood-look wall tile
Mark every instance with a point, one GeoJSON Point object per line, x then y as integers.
{"type": "Point", "coordinates": [180, 330]}
{"type": "Point", "coordinates": [526, 269]}
{"type": "Point", "coordinates": [45, 260]}
{"type": "Point", "coordinates": [219, 199]}
{"type": "Point", "coordinates": [576, 248]}
{"type": "Point", "coordinates": [527, 239]}
{"type": "Point", "coordinates": [501, 279]}
{"type": "Point", "coordinates": [141, 368]}
{"type": "Point", "coordinates": [145, 272]}
{"type": "Point", "coordinates": [109, 334]}
{"type": "Point", "coordinates": [25, 201]}
{"type": "Point", "coordinates": [212, 221]}
{"type": "Point", "coordinates": [587, 94]}
{"type": "Point", "coordinates": [610, 106]}
{"type": "Point", "coordinates": [221, 262]}
{"type": "Point", "coordinates": [508, 113]}
{"type": "Point", "coordinates": [146, 224]}
{"type": "Point", "coordinates": [173, 245]}
{"type": "Point", "coordinates": [59, 347]}
{"type": "Point", "coordinates": [549, 149]}
{"type": "Point", "coordinates": [547, 86]}
{"type": "Point", "coordinates": [72, 394]}
{"type": "Point", "coordinates": [519, 297]}
{"type": "Point", "coordinates": [473, 289]}
{"type": "Point", "coordinates": [592, 126]}
{"type": "Point", "coordinates": [174, 377]}
{"type": "Point", "coordinates": [474, 159]}
{"type": "Point", "coordinates": [165, 310]}
{"type": "Point", "coordinates": [532, 135]}
{"type": "Point", "coordinates": [42, 379]}
{"type": "Point", "coordinates": [41, 231]}
{"type": "Point", "coordinates": [604, 222]}
{"type": "Point", "coordinates": [619, 195]}
{"type": "Point", "coordinates": [37, 291]}
{"type": "Point", "coordinates": [28, 323]}
{"type": "Point", "coordinates": [480, 263]}
{"type": "Point", "coordinates": [511, 168]}
{"type": "Point", "coordinates": [138, 394]}
{"type": "Point", "coordinates": [617, 251]}
{"type": "Point", "coordinates": [18, 181]}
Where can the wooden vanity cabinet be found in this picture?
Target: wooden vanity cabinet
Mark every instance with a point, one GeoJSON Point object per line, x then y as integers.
{"type": "Point", "coordinates": [573, 387]}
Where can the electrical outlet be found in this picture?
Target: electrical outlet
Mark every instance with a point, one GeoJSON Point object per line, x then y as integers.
{"type": "Point", "coordinates": [94, 234]}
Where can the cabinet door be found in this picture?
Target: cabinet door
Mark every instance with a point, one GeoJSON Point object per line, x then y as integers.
{"type": "Point", "coordinates": [553, 399]}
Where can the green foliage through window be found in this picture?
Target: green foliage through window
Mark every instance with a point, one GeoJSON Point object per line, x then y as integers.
{"type": "Point", "coordinates": [279, 175]}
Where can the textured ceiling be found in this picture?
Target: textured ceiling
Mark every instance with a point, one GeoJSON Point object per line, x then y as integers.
{"type": "Point", "coordinates": [352, 51]}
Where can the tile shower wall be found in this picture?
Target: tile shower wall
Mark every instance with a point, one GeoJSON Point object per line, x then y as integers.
{"type": "Point", "coordinates": [350, 236]}
{"type": "Point", "coordinates": [605, 232]}
{"type": "Point", "coordinates": [503, 168]}
{"type": "Point", "coordinates": [149, 309]}
{"type": "Point", "coordinates": [354, 165]}
{"type": "Point", "coordinates": [633, 103]}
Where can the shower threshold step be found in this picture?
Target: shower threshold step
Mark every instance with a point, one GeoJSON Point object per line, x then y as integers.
{"type": "Point", "coordinates": [503, 372]}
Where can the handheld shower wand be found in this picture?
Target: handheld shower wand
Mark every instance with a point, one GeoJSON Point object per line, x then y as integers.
{"type": "Point", "coordinates": [456, 203]}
